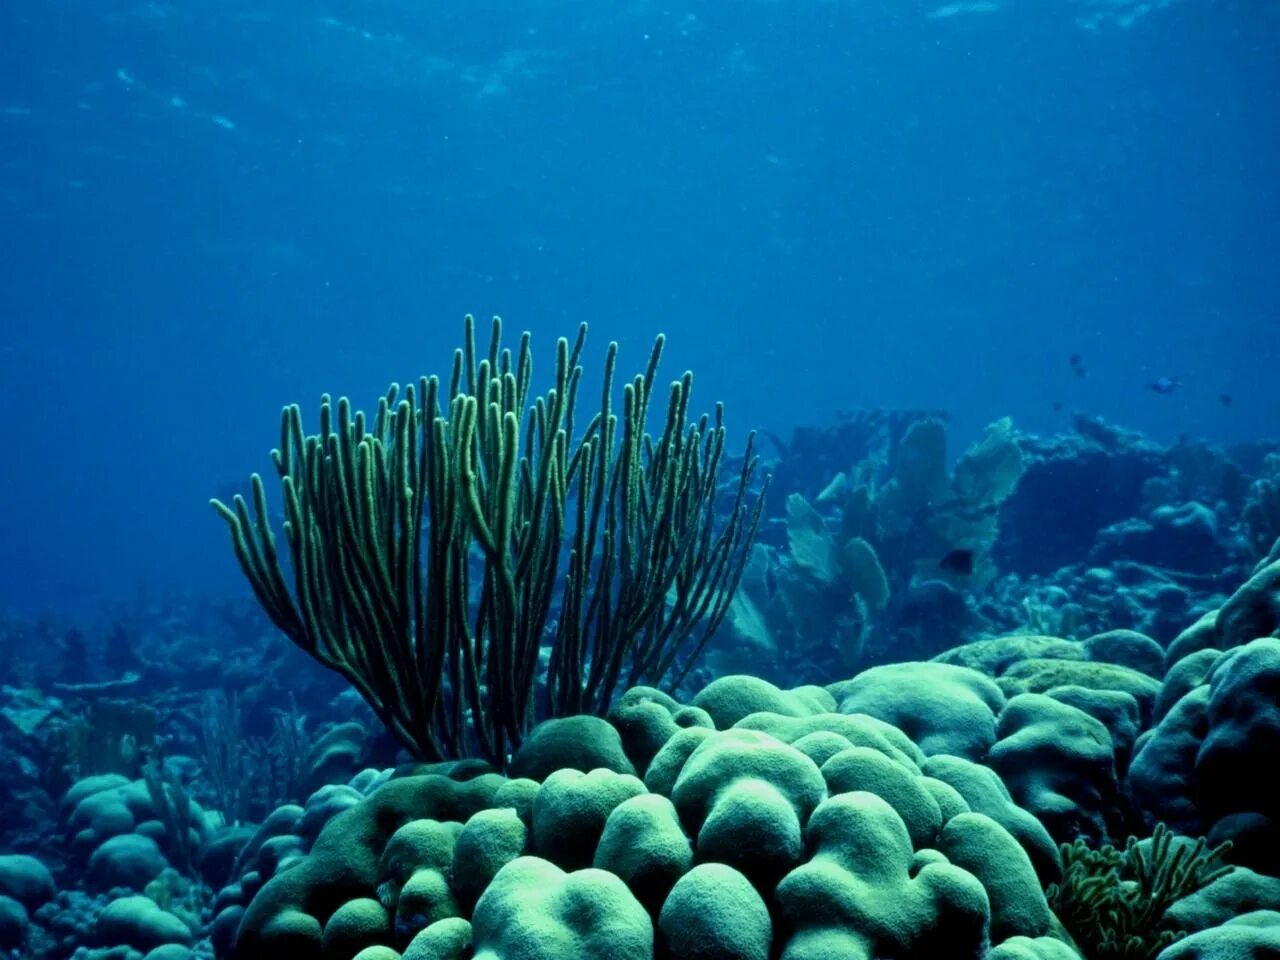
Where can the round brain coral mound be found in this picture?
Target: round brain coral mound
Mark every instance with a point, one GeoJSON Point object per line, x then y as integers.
{"type": "Point", "coordinates": [763, 824]}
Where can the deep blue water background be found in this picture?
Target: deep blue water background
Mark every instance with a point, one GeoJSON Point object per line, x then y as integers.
{"type": "Point", "coordinates": [209, 209]}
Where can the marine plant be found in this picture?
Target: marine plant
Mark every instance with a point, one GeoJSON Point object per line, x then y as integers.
{"type": "Point", "coordinates": [1113, 903]}
{"type": "Point", "coordinates": [384, 515]}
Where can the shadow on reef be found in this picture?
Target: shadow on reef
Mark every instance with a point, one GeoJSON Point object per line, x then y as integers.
{"type": "Point", "coordinates": [1029, 758]}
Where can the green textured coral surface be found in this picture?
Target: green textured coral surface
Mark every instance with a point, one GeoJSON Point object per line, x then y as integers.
{"type": "Point", "coordinates": [960, 808]}
{"type": "Point", "coordinates": [767, 825]}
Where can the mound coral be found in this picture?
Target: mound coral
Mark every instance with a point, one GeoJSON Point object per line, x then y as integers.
{"type": "Point", "coordinates": [796, 834]}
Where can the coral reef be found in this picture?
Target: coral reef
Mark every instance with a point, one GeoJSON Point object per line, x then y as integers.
{"type": "Point", "coordinates": [1053, 757]}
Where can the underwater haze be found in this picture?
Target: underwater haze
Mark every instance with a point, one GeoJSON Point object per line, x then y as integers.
{"type": "Point", "coordinates": [757, 480]}
{"type": "Point", "coordinates": [209, 210]}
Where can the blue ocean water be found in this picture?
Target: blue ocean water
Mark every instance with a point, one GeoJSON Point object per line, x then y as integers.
{"type": "Point", "coordinates": [976, 658]}
{"type": "Point", "coordinates": [212, 209]}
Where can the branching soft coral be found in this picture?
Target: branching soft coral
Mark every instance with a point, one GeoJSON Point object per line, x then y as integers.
{"type": "Point", "coordinates": [1113, 903]}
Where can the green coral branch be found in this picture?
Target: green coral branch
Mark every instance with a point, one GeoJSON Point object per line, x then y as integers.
{"type": "Point", "coordinates": [1114, 903]}
{"type": "Point", "coordinates": [381, 517]}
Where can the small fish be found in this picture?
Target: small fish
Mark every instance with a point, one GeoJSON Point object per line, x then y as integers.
{"type": "Point", "coordinates": [1165, 385]}
{"type": "Point", "coordinates": [1076, 363]}
{"type": "Point", "coordinates": [1058, 406]}
{"type": "Point", "coordinates": [959, 562]}
{"type": "Point", "coordinates": [1225, 399]}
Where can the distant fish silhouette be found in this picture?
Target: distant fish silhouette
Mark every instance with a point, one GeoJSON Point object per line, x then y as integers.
{"type": "Point", "coordinates": [1077, 365]}
{"type": "Point", "coordinates": [1225, 399]}
{"type": "Point", "coordinates": [959, 562]}
{"type": "Point", "coordinates": [1165, 385]}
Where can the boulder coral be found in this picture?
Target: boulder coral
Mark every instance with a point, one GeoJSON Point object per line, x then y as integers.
{"type": "Point", "coordinates": [753, 834]}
